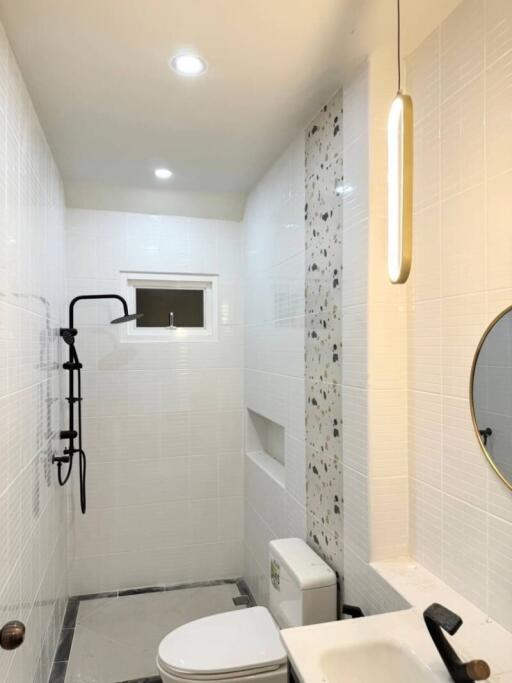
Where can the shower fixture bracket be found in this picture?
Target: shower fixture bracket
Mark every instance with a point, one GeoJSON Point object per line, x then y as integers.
{"type": "Point", "coordinates": [74, 367]}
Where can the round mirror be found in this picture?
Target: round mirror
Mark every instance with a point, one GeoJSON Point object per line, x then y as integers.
{"type": "Point", "coordinates": [491, 395]}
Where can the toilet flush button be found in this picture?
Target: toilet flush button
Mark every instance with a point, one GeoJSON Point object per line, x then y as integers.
{"type": "Point", "coordinates": [275, 574]}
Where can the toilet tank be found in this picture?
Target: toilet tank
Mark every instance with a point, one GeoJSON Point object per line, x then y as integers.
{"type": "Point", "coordinates": [302, 586]}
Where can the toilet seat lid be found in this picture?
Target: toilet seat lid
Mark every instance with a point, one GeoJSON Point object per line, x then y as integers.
{"type": "Point", "coordinates": [228, 642]}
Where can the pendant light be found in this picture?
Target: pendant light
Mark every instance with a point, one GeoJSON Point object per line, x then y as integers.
{"type": "Point", "coordinates": [400, 174]}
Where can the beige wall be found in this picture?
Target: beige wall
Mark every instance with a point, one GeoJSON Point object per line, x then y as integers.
{"type": "Point", "coordinates": [461, 82]}
{"type": "Point", "coordinates": [375, 481]}
{"type": "Point", "coordinates": [443, 504]}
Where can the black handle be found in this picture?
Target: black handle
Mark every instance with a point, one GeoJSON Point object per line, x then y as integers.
{"type": "Point", "coordinates": [485, 434]}
{"type": "Point", "coordinates": [443, 617]}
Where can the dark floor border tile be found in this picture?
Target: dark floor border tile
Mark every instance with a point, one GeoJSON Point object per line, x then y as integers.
{"type": "Point", "coordinates": [71, 613]}
{"type": "Point", "coordinates": [64, 646]}
{"type": "Point", "coordinates": [60, 662]}
{"type": "Point", "coordinates": [58, 673]}
{"type": "Point", "coordinates": [95, 596]}
{"type": "Point", "coordinates": [141, 591]}
{"type": "Point", "coordinates": [151, 679]}
{"type": "Point", "coordinates": [161, 588]}
{"type": "Point", "coordinates": [245, 590]}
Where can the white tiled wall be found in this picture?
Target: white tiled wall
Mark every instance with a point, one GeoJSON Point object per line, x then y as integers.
{"type": "Point", "coordinates": [274, 354]}
{"type": "Point", "coordinates": [460, 79]}
{"type": "Point", "coordinates": [374, 349]}
{"type": "Point", "coordinates": [163, 421]}
{"type": "Point", "coordinates": [33, 580]}
{"type": "Point", "coordinates": [354, 389]}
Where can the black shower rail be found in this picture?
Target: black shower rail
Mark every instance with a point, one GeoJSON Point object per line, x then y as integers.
{"type": "Point", "coordinates": [73, 434]}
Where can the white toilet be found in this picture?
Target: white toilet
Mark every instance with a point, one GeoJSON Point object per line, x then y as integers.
{"type": "Point", "coordinates": [244, 645]}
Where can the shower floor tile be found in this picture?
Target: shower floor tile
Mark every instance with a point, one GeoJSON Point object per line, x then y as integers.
{"type": "Point", "coordinates": [116, 638]}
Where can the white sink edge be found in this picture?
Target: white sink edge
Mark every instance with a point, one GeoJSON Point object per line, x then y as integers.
{"type": "Point", "coordinates": [480, 637]}
{"type": "Point", "coordinates": [307, 645]}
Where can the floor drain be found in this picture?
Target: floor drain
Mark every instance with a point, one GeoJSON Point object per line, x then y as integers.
{"type": "Point", "coordinates": [241, 600]}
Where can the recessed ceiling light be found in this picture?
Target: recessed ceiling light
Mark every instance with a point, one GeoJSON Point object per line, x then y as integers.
{"type": "Point", "coordinates": [188, 64]}
{"type": "Point", "coordinates": [163, 173]}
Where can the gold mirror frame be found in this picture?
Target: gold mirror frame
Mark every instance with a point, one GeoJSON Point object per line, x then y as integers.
{"type": "Point", "coordinates": [471, 402]}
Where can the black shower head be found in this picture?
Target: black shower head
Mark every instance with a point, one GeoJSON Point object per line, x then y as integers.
{"type": "Point", "coordinates": [126, 318]}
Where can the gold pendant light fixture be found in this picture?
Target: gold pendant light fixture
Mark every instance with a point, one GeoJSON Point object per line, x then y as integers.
{"type": "Point", "coordinates": [400, 175]}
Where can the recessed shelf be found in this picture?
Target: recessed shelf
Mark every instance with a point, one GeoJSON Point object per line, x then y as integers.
{"type": "Point", "coordinates": [264, 435]}
{"type": "Point", "coordinates": [271, 467]}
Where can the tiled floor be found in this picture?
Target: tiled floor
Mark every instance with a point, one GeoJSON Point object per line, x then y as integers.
{"type": "Point", "coordinates": [116, 638]}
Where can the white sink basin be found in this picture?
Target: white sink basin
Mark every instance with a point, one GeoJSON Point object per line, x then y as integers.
{"type": "Point", "coordinates": [386, 648]}
{"type": "Point", "coordinates": [375, 661]}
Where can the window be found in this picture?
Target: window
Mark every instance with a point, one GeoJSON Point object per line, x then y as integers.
{"type": "Point", "coordinates": [170, 307]}
{"type": "Point", "coordinates": [175, 307]}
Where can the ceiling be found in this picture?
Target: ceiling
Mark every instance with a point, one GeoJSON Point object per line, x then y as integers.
{"type": "Point", "coordinates": [112, 109]}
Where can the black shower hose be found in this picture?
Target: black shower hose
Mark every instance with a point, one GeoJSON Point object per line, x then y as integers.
{"type": "Point", "coordinates": [80, 451]}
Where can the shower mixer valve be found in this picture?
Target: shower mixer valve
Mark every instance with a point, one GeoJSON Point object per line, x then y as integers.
{"type": "Point", "coordinates": [73, 434]}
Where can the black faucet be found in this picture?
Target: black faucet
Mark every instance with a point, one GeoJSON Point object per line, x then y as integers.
{"type": "Point", "coordinates": [437, 618]}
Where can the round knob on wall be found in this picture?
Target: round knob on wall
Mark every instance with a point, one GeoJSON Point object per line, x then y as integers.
{"type": "Point", "coordinates": [12, 635]}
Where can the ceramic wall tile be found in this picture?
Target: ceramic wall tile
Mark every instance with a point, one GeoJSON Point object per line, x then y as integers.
{"type": "Point", "coordinates": [462, 138]}
{"type": "Point", "coordinates": [426, 525]}
{"type": "Point", "coordinates": [163, 425]}
{"type": "Point", "coordinates": [425, 437]}
{"type": "Point", "coordinates": [33, 572]}
{"type": "Point", "coordinates": [388, 437]}
{"type": "Point", "coordinates": [424, 345]}
{"type": "Point", "coordinates": [274, 359]}
{"type": "Point", "coordinates": [425, 278]}
{"type": "Point", "coordinates": [500, 540]}
{"type": "Point", "coordinates": [354, 361]}
{"type": "Point", "coordinates": [465, 565]}
{"type": "Point", "coordinates": [497, 97]}
{"type": "Point", "coordinates": [390, 537]}
{"type": "Point", "coordinates": [374, 358]}
{"type": "Point", "coordinates": [427, 156]}
{"type": "Point", "coordinates": [499, 239]}
{"type": "Point", "coordinates": [463, 239]}
{"type": "Point", "coordinates": [459, 510]}
{"type": "Point", "coordinates": [356, 512]}
{"type": "Point", "coordinates": [423, 76]}
{"type": "Point", "coordinates": [462, 47]}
